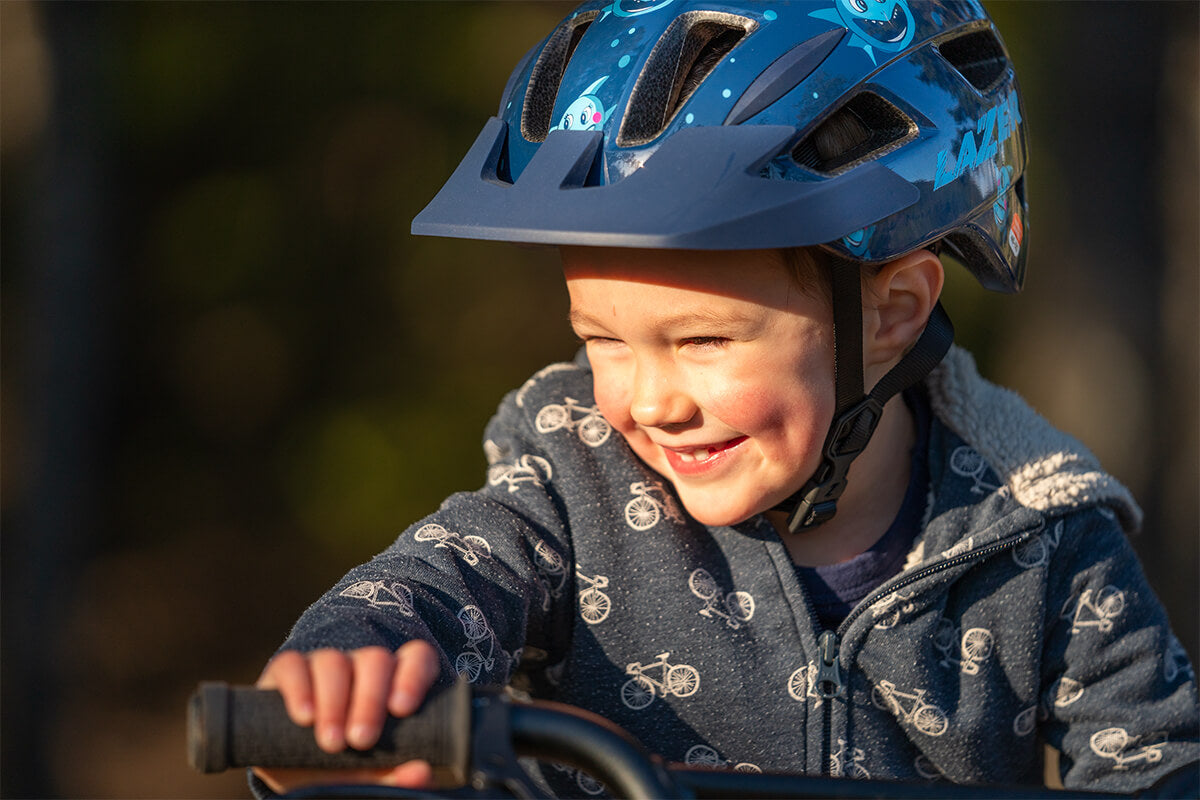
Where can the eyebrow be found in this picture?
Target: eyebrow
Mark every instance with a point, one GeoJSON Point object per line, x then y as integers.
{"type": "Point", "coordinates": [702, 317]}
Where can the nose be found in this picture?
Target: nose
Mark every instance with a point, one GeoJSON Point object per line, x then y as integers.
{"type": "Point", "coordinates": [659, 399]}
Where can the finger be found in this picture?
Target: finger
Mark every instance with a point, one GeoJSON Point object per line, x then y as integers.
{"type": "Point", "coordinates": [410, 775]}
{"type": "Point", "coordinates": [331, 676]}
{"type": "Point", "coordinates": [288, 672]}
{"type": "Point", "coordinates": [417, 667]}
{"type": "Point", "coordinates": [373, 667]}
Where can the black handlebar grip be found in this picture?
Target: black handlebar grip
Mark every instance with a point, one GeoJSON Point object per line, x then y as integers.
{"type": "Point", "coordinates": [240, 726]}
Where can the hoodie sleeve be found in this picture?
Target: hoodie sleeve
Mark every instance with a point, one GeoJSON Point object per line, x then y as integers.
{"type": "Point", "coordinates": [485, 578]}
{"type": "Point", "coordinates": [1119, 695]}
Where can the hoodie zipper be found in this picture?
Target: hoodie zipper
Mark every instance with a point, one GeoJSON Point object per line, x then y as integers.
{"type": "Point", "coordinates": [829, 682]}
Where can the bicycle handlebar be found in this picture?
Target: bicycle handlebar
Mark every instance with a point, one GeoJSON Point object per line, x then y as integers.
{"type": "Point", "coordinates": [473, 735]}
{"type": "Point", "coordinates": [240, 726]}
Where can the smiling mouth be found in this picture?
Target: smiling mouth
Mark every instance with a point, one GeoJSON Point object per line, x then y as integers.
{"type": "Point", "coordinates": [699, 454]}
{"type": "Point", "coordinates": [881, 28]}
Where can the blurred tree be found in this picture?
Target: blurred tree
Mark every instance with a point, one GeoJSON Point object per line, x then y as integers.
{"type": "Point", "coordinates": [66, 341]}
{"type": "Point", "coordinates": [1103, 342]}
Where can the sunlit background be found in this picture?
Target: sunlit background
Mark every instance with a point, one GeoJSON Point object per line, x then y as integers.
{"type": "Point", "coordinates": [230, 373]}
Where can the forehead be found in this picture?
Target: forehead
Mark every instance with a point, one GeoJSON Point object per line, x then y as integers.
{"type": "Point", "coordinates": [755, 276]}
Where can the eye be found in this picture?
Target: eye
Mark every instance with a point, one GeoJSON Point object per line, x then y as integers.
{"type": "Point", "coordinates": [598, 341]}
{"type": "Point", "coordinates": [705, 342]}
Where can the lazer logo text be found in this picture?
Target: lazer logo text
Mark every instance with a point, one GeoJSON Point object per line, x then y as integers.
{"type": "Point", "coordinates": [996, 126]}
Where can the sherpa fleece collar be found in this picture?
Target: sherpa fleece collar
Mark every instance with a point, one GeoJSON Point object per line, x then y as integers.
{"type": "Point", "coordinates": [1044, 468]}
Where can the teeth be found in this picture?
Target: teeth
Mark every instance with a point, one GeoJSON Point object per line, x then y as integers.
{"type": "Point", "coordinates": [697, 455]}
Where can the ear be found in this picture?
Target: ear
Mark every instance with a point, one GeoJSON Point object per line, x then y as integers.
{"type": "Point", "coordinates": [897, 301]}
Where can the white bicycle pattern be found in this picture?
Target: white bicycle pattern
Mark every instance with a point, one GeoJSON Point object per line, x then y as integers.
{"type": "Point", "coordinates": [701, 755]}
{"type": "Point", "coordinates": [802, 684]}
{"type": "Point", "coordinates": [734, 607]}
{"type": "Point", "coordinates": [1095, 610]}
{"type": "Point", "coordinates": [889, 609]}
{"type": "Point", "coordinates": [472, 548]}
{"type": "Point", "coordinates": [1037, 549]}
{"type": "Point", "coordinates": [921, 714]}
{"type": "Point", "coordinates": [926, 768]}
{"type": "Point", "coordinates": [591, 428]}
{"type": "Point", "coordinates": [552, 570]}
{"type": "Point", "coordinates": [681, 680]}
{"type": "Point", "coordinates": [479, 653]}
{"type": "Point", "coordinates": [967, 463]}
{"type": "Point", "coordinates": [958, 549]}
{"type": "Point", "coordinates": [584, 781]}
{"type": "Point", "coordinates": [1066, 691]}
{"type": "Point", "coordinates": [379, 594]}
{"type": "Point", "coordinates": [594, 604]}
{"type": "Point", "coordinates": [650, 502]}
{"type": "Point", "coordinates": [839, 768]}
{"type": "Point", "coordinates": [564, 366]}
{"type": "Point", "coordinates": [968, 651]}
{"type": "Point", "coordinates": [1123, 749]}
{"type": "Point", "coordinates": [527, 469]}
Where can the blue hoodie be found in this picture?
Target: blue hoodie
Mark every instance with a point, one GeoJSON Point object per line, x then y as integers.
{"type": "Point", "coordinates": [1021, 616]}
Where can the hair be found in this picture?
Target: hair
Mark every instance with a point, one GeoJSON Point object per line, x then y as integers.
{"type": "Point", "coordinates": [839, 134]}
{"type": "Point", "coordinates": [716, 49]}
{"type": "Point", "coordinates": [809, 269]}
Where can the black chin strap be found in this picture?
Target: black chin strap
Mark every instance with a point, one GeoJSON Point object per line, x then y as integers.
{"type": "Point", "coordinates": [857, 414]}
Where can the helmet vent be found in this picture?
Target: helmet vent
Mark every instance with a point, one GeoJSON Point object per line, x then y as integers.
{"type": "Point", "coordinates": [687, 53]}
{"type": "Point", "coordinates": [547, 74]}
{"type": "Point", "coordinates": [866, 127]}
{"type": "Point", "coordinates": [978, 56]}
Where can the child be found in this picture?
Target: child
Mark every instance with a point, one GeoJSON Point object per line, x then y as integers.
{"type": "Point", "coordinates": [768, 516]}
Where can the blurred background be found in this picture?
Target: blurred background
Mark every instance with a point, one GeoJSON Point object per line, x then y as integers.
{"type": "Point", "coordinates": [230, 373]}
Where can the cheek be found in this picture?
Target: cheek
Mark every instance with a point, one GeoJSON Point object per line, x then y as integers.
{"type": "Point", "coordinates": [755, 408]}
{"type": "Point", "coordinates": [612, 396]}
{"type": "Point", "coordinates": [785, 407]}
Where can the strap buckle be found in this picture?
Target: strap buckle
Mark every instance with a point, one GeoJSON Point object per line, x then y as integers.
{"type": "Point", "coordinates": [848, 436]}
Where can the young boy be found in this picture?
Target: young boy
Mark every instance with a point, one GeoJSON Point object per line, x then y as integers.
{"type": "Point", "coordinates": [768, 516]}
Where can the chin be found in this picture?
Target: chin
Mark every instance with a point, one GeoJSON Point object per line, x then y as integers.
{"type": "Point", "coordinates": [723, 514]}
{"type": "Point", "coordinates": [718, 517]}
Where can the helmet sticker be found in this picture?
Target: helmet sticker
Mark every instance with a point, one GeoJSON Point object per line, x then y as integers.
{"type": "Point", "coordinates": [996, 126]}
{"type": "Point", "coordinates": [634, 8]}
{"type": "Point", "coordinates": [859, 242]}
{"type": "Point", "coordinates": [1000, 207]}
{"type": "Point", "coordinates": [1015, 233]}
{"type": "Point", "coordinates": [884, 24]}
{"type": "Point", "coordinates": [586, 112]}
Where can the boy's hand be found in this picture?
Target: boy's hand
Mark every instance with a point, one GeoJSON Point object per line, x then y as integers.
{"type": "Point", "coordinates": [345, 697]}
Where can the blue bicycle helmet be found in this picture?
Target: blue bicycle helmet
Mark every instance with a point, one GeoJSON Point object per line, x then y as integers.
{"type": "Point", "coordinates": [867, 128]}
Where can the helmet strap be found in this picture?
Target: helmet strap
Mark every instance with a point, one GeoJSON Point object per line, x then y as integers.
{"type": "Point", "coordinates": [858, 413]}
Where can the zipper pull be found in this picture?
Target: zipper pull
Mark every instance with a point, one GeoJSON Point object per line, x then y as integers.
{"type": "Point", "coordinates": [829, 677]}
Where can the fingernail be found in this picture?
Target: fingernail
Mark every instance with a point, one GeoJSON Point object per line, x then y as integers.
{"type": "Point", "coordinates": [359, 737]}
{"type": "Point", "coordinates": [330, 737]}
{"type": "Point", "coordinates": [402, 701]}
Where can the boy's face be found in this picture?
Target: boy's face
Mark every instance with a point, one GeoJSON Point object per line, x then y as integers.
{"type": "Point", "coordinates": [714, 366]}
